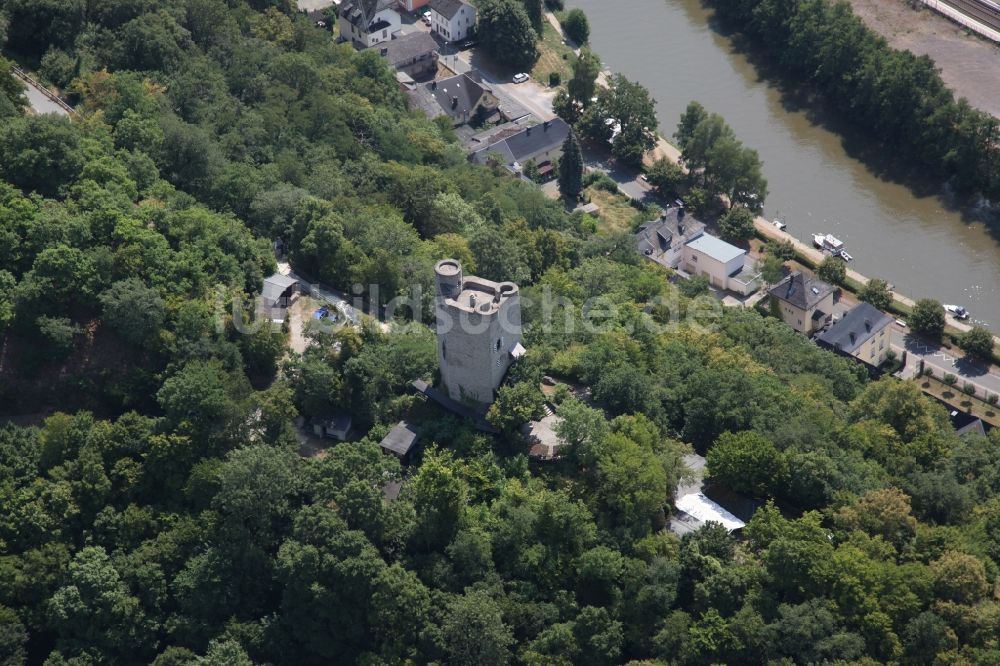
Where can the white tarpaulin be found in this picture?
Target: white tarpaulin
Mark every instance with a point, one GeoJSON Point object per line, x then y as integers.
{"type": "Point", "coordinates": [703, 509]}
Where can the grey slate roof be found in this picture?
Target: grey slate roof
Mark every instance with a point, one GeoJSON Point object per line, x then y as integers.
{"type": "Point", "coordinates": [407, 48]}
{"type": "Point", "coordinates": [275, 285]}
{"type": "Point", "coordinates": [529, 141]}
{"type": "Point", "coordinates": [456, 97]}
{"type": "Point", "coordinates": [855, 328]}
{"type": "Point", "coordinates": [801, 291]}
{"type": "Point", "coordinates": [447, 8]}
{"type": "Point", "coordinates": [400, 439]}
{"type": "Point", "coordinates": [655, 237]}
{"type": "Point", "coordinates": [361, 12]}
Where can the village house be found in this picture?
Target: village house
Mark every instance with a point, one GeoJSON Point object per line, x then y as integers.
{"type": "Point", "coordinates": [862, 333]}
{"type": "Point", "coordinates": [679, 241]}
{"type": "Point", "coordinates": [463, 98]}
{"type": "Point", "coordinates": [542, 143]}
{"type": "Point", "coordinates": [803, 302]}
{"type": "Point", "coordinates": [454, 20]}
{"type": "Point", "coordinates": [368, 22]}
{"type": "Point", "coordinates": [413, 5]}
{"type": "Point", "coordinates": [415, 54]}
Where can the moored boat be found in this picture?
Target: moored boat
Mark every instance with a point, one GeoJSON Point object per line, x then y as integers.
{"type": "Point", "coordinates": [828, 242]}
{"type": "Point", "coordinates": [956, 311]}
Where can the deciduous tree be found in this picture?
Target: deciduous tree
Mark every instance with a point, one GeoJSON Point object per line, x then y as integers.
{"type": "Point", "coordinates": [927, 318]}
{"type": "Point", "coordinates": [576, 26]}
{"type": "Point", "coordinates": [978, 342]}
{"type": "Point", "coordinates": [877, 293]}
{"type": "Point", "coordinates": [506, 33]}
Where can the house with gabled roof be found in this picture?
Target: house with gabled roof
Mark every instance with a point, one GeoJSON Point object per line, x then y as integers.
{"type": "Point", "coordinates": [453, 20]}
{"type": "Point", "coordinates": [463, 98]}
{"type": "Point", "coordinates": [862, 333]}
{"type": "Point", "coordinates": [367, 22]}
{"type": "Point", "coordinates": [415, 54]}
{"type": "Point", "coordinates": [542, 143]}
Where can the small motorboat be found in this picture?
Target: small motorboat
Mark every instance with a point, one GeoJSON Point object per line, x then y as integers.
{"type": "Point", "coordinates": [956, 311]}
{"type": "Point", "coordinates": [845, 256]}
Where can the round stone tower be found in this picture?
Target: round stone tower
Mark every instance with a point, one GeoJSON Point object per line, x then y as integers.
{"type": "Point", "coordinates": [448, 277]}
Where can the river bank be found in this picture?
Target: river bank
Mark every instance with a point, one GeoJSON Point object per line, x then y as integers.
{"type": "Point", "coordinates": [968, 64]}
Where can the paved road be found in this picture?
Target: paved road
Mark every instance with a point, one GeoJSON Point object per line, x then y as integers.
{"type": "Point", "coordinates": [41, 103]}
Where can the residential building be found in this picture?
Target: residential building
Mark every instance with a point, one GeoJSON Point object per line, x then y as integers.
{"type": "Point", "coordinates": [479, 333]}
{"type": "Point", "coordinates": [723, 264]}
{"type": "Point", "coordinates": [400, 440]}
{"type": "Point", "coordinates": [463, 98]}
{"type": "Point", "coordinates": [413, 5]}
{"type": "Point", "coordinates": [863, 332]}
{"type": "Point", "coordinates": [278, 293]}
{"type": "Point", "coordinates": [542, 143]}
{"type": "Point", "coordinates": [679, 241]}
{"type": "Point", "coordinates": [804, 302]}
{"type": "Point", "coordinates": [368, 22]}
{"type": "Point", "coordinates": [415, 54]}
{"type": "Point", "coordinates": [454, 20]}
{"type": "Point", "coordinates": [662, 240]}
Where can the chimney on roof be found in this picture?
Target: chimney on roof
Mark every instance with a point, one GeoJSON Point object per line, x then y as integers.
{"type": "Point", "coordinates": [868, 324]}
{"type": "Point", "coordinates": [454, 101]}
{"type": "Point", "coordinates": [852, 337]}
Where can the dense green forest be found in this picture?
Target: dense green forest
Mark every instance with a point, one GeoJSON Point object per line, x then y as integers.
{"type": "Point", "coordinates": [894, 95]}
{"type": "Point", "coordinates": [163, 515]}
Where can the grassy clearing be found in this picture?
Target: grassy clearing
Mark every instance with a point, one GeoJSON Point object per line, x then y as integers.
{"type": "Point", "coordinates": [616, 213]}
{"type": "Point", "coordinates": [554, 56]}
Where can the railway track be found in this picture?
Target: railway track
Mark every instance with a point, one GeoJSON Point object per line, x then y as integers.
{"type": "Point", "coordinates": [987, 13]}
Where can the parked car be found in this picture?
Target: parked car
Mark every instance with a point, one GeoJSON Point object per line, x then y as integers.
{"type": "Point", "coordinates": [521, 77]}
{"type": "Point", "coordinates": [426, 18]}
{"type": "Point", "coordinates": [467, 44]}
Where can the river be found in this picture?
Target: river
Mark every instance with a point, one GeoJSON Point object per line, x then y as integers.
{"type": "Point", "coordinates": [912, 241]}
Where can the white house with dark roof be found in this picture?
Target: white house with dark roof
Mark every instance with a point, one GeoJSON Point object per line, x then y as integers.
{"type": "Point", "coordinates": [367, 22]}
{"type": "Point", "coordinates": [454, 20]}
